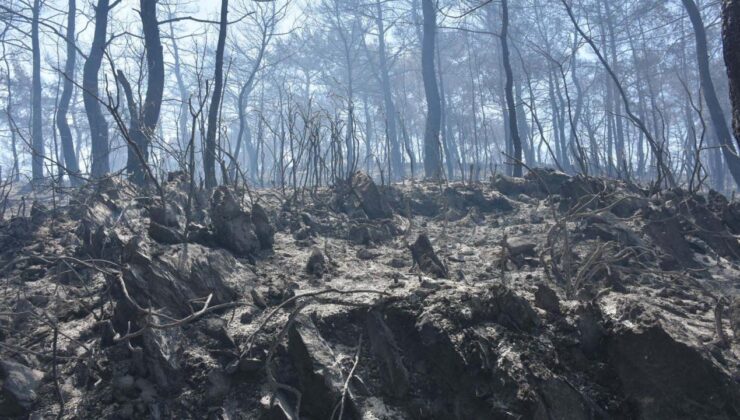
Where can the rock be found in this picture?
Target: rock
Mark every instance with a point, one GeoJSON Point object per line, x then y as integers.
{"type": "Point", "coordinates": [360, 235]}
{"type": "Point", "coordinates": [372, 201]}
{"type": "Point", "coordinates": [166, 215]}
{"type": "Point", "coordinates": [735, 318]}
{"type": "Point", "coordinates": [514, 186]}
{"type": "Point", "coordinates": [218, 385]}
{"type": "Point", "coordinates": [386, 350]}
{"type": "Point", "coordinates": [316, 264]}
{"type": "Point", "coordinates": [512, 310]}
{"type": "Point", "coordinates": [520, 247]}
{"type": "Point", "coordinates": [548, 180]}
{"type": "Point", "coordinates": [321, 382]}
{"type": "Point", "coordinates": [667, 379]}
{"type": "Point", "coordinates": [20, 385]}
{"type": "Point", "coordinates": [124, 386]}
{"type": "Point", "coordinates": [560, 401]}
{"type": "Point", "coordinates": [425, 257]}
{"type": "Point", "coordinates": [589, 324]}
{"type": "Point", "coordinates": [546, 298]}
{"type": "Point", "coordinates": [164, 234]}
{"type": "Point", "coordinates": [233, 227]}
{"type": "Point", "coordinates": [262, 227]}
{"type": "Point", "coordinates": [366, 255]}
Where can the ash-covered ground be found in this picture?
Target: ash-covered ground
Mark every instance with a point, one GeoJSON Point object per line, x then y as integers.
{"type": "Point", "coordinates": [546, 297]}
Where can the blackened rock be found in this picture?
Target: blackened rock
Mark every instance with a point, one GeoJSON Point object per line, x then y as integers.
{"type": "Point", "coordinates": [385, 348]}
{"type": "Point", "coordinates": [667, 379]}
{"type": "Point", "coordinates": [316, 264]}
{"type": "Point", "coordinates": [514, 186]}
{"type": "Point", "coordinates": [164, 234]}
{"type": "Point", "coordinates": [735, 318]}
{"type": "Point", "coordinates": [548, 179]}
{"type": "Point", "coordinates": [19, 387]}
{"type": "Point", "coordinates": [372, 201]}
{"type": "Point", "coordinates": [232, 225]}
{"type": "Point", "coordinates": [262, 227]}
{"type": "Point", "coordinates": [520, 247]}
{"type": "Point", "coordinates": [425, 257]}
{"type": "Point", "coordinates": [321, 382]}
{"type": "Point", "coordinates": [546, 298]}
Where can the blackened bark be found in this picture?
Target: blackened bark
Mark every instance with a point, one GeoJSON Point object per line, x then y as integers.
{"type": "Point", "coordinates": [432, 158]}
{"type": "Point", "coordinates": [209, 158]}
{"type": "Point", "coordinates": [390, 107]}
{"type": "Point", "coordinates": [710, 95]}
{"type": "Point", "coordinates": [65, 134]}
{"type": "Point", "coordinates": [144, 118]}
{"type": "Point", "coordinates": [731, 42]}
{"type": "Point", "coordinates": [98, 125]}
{"type": "Point", "coordinates": [510, 105]}
{"type": "Point", "coordinates": [37, 137]}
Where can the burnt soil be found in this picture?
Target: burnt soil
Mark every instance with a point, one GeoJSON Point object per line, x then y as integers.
{"type": "Point", "coordinates": [547, 297]}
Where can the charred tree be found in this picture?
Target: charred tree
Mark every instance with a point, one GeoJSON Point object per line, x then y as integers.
{"type": "Point", "coordinates": [98, 125]}
{"type": "Point", "coordinates": [144, 118]}
{"type": "Point", "coordinates": [389, 105]}
{"type": "Point", "coordinates": [731, 42]}
{"type": "Point", "coordinates": [65, 134]}
{"type": "Point", "coordinates": [432, 156]}
{"type": "Point", "coordinates": [37, 136]}
{"type": "Point", "coordinates": [710, 95]}
{"type": "Point", "coordinates": [510, 104]}
{"type": "Point", "coordinates": [209, 153]}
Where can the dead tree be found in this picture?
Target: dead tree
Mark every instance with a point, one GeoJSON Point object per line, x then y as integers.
{"type": "Point", "coordinates": [432, 157]}
{"type": "Point", "coordinates": [98, 125]}
{"type": "Point", "coordinates": [209, 154]}
{"type": "Point", "coordinates": [144, 118]}
{"type": "Point", "coordinates": [731, 41]}
{"type": "Point", "coordinates": [65, 134]}
{"type": "Point", "coordinates": [37, 136]}
{"type": "Point", "coordinates": [710, 95]}
{"type": "Point", "coordinates": [510, 105]}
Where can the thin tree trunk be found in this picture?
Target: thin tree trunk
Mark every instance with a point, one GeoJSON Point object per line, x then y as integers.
{"type": "Point", "coordinates": [388, 104]}
{"type": "Point", "coordinates": [209, 157]}
{"type": "Point", "coordinates": [37, 140]}
{"type": "Point", "coordinates": [65, 134]}
{"type": "Point", "coordinates": [432, 158]}
{"type": "Point", "coordinates": [510, 104]}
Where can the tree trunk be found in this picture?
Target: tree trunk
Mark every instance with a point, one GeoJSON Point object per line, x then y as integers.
{"type": "Point", "coordinates": [710, 95]}
{"type": "Point", "coordinates": [209, 158]}
{"type": "Point", "coordinates": [432, 158]}
{"type": "Point", "coordinates": [37, 139]}
{"type": "Point", "coordinates": [98, 125]}
{"type": "Point", "coordinates": [145, 117]}
{"type": "Point", "coordinates": [731, 42]}
{"type": "Point", "coordinates": [65, 134]}
{"type": "Point", "coordinates": [388, 104]}
{"type": "Point", "coordinates": [510, 104]}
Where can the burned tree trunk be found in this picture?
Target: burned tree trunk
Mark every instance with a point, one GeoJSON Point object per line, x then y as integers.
{"type": "Point", "coordinates": [731, 41]}
{"type": "Point", "coordinates": [65, 134]}
{"type": "Point", "coordinates": [98, 125]}
{"type": "Point", "coordinates": [37, 137]}
{"type": "Point", "coordinates": [144, 118]}
{"type": "Point", "coordinates": [432, 157]}
{"type": "Point", "coordinates": [209, 158]}
{"type": "Point", "coordinates": [710, 95]}
{"type": "Point", "coordinates": [510, 105]}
